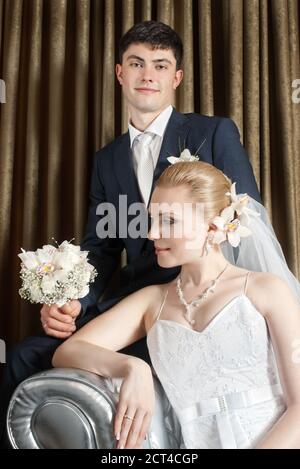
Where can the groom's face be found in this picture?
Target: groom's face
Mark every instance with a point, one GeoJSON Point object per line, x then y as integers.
{"type": "Point", "coordinates": [148, 77]}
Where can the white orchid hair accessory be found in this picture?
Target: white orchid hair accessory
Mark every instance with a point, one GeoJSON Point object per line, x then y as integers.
{"type": "Point", "coordinates": [233, 222]}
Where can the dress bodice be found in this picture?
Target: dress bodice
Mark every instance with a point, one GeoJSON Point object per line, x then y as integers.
{"type": "Point", "coordinates": [232, 356]}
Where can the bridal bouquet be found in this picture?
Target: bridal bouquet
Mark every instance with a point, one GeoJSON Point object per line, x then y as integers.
{"type": "Point", "coordinates": [55, 275]}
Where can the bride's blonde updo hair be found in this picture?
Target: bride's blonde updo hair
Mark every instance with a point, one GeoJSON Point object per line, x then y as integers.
{"type": "Point", "coordinates": [205, 183]}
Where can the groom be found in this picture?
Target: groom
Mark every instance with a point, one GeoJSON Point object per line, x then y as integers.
{"type": "Point", "coordinates": [149, 73]}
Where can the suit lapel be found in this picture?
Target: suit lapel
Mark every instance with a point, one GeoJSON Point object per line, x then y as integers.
{"type": "Point", "coordinates": [123, 167]}
{"type": "Point", "coordinates": [173, 143]}
{"type": "Point", "coordinates": [124, 171]}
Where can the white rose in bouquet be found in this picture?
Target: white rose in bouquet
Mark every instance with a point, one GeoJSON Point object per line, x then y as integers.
{"type": "Point", "coordinates": [55, 275]}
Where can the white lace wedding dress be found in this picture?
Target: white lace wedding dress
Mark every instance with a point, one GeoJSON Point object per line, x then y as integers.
{"type": "Point", "coordinates": [222, 382]}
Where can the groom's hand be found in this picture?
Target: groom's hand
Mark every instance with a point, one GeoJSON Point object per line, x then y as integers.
{"type": "Point", "coordinates": [60, 322]}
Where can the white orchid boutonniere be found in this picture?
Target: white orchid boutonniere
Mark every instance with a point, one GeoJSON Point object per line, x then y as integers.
{"type": "Point", "coordinates": [232, 224]}
{"type": "Point", "coordinates": [185, 156]}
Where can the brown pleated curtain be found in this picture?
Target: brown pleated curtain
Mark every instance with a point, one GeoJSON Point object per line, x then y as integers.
{"type": "Point", "coordinates": [57, 58]}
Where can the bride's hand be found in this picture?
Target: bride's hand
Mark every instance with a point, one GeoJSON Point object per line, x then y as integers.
{"type": "Point", "coordinates": [136, 405]}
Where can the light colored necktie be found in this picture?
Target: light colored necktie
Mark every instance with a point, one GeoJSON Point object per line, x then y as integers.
{"type": "Point", "coordinates": [142, 154]}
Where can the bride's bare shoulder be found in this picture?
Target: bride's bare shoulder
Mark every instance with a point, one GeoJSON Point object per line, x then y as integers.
{"type": "Point", "coordinates": [267, 291]}
{"type": "Point", "coordinates": [155, 296]}
{"type": "Point", "coordinates": [266, 280]}
{"type": "Point", "coordinates": [154, 292]}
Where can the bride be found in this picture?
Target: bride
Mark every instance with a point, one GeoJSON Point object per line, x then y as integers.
{"type": "Point", "coordinates": [221, 336]}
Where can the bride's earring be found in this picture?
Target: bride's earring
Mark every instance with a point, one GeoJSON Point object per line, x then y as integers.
{"type": "Point", "coordinates": [208, 244]}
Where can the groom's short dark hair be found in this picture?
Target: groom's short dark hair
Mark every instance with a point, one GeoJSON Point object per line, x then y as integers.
{"type": "Point", "coordinates": [155, 33]}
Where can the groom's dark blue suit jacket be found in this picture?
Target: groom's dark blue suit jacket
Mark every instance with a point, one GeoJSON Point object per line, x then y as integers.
{"type": "Point", "coordinates": [113, 175]}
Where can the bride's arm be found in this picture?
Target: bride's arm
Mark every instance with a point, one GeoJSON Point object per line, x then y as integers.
{"type": "Point", "coordinates": [281, 310]}
{"type": "Point", "coordinates": [94, 348]}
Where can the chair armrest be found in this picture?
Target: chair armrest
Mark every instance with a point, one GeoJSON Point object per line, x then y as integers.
{"type": "Point", "coordinates": [68, 408]}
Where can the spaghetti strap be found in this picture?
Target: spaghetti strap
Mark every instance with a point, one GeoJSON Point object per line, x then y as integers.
{"type": "Point", "coordinates": [162, 305]}
{"type": "Point", "coordinates": [246, 282]}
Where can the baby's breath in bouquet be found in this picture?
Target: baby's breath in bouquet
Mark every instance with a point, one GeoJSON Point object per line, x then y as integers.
{"type": "Point", "coordinates": [55, 274]}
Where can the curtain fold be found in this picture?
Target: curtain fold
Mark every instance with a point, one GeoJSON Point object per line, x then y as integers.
{"type": "Point", "coordinates": [58, 58]}
{"type": "Point", "coordinates": [204, 58]}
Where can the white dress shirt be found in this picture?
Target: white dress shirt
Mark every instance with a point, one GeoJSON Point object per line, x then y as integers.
{"type": "Point", "coordinates": [157, 128]}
